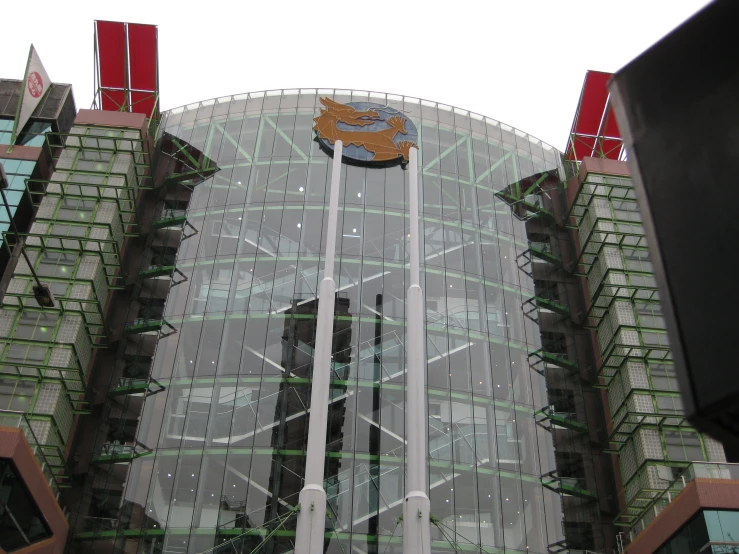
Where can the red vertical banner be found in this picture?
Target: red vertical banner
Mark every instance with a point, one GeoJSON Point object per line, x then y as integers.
{"type": "Point", "coordinates": [594, 131]}
{"type": "Point", "coordinates": [127, 67]}
{"type": "Point", "coordinates": [142, 56]}
{"type": "Point", "coordinates": [111, 37]}
{"type": "Point", "coordinates": [594, 97]}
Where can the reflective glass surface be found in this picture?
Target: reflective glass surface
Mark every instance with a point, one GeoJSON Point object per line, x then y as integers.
{"type": "Point", "coordinates": [21, 521]}
{"type": "Point", "coordinates": [31, 135]}
{"type": "Point", "coordinates": [17, 171]}
{"type": "Point", "coordinates": [712, 531]}
{"type": "Point", "coordinates": [226, 434]}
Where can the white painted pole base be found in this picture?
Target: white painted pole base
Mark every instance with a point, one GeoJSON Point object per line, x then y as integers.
{"type": "Point", "coordinates": [311, 520]}
{"type": "Point", "coordinates": [416, 523]}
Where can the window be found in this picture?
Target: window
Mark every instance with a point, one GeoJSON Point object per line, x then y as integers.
{"type": "Point", "coordinates": [64, 230]}
{"type": "Point", "coordinates": [670, 405]}
{"type": "Point", "coordinates": [25, 353]}
{"type": "Point", "coordinates": [17, 172]}
{"type": "Point", "coordinates": [6, 127]}
{"type": "Point", "coordinates": [683, 445]}
{"type": "Point", "coordinates": [663, 377]}
{"type": "Point", "coordinates": [637, 260]}
{"type": "Point", "coordinates": [56, 264]}
{"type": "Point", "coordinates": [35, 325]}
{"type": "Point", "coordinates": [93, 160]}
{"type": "Point", "coordinates": [650, 315]}
{"type": "Point", "coordinates": [20, 518]}
{"type": "Point", "coordinates": [34, 134]}
{"type": "Point", "coordinates": [76, 209]}
{"type": "Point", "coordinates": [16, 395]}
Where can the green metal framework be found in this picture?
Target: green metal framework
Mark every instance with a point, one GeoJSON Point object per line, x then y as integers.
{"type": "Point", "coordinates": [131, 383]}
{"type": "Point", "coordinates": [537, 252]}
{"type": "Point", "coordinates": [113, 453]}
{"type": "Point", "coordinates": [625, 315]}
{"type": "Point", "coordinates": [533, 200]}
{"type": "Point", "coordinates": [549, 417]}
{"type": "Point", "coordinates": [71, 378]}
{"type": "Point", "coordinates": [85, 211]}
{"type": "Point", "coordinates": [525, 197]}
{"type": "Point", "coordinates": [100, 179]}
{"type": "Point", "coordinates": [90, 310]}
{"type": "Point", "coordinates": [50, 456]}
{"type": "Point", "coordinates": [528, 200]}
{"type": "Point", "coordinates": [108, 250]}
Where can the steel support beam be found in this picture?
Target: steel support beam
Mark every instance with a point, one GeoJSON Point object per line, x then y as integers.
{"type": "Point", "coordinates": [312, 516]}
{"type": "Point", "coordinates": [416, 517]}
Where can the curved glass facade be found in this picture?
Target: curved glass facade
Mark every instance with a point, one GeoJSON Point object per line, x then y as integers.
{"type": "Point", "coordinates": [224, 430]}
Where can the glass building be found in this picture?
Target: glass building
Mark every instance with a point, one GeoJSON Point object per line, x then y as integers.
{"type": "Point", "coordinates": [203, 440]}
{"type": "Point", "coordinates": [161, 397]}
{"type": "Point", "coordinates": [167, 393]}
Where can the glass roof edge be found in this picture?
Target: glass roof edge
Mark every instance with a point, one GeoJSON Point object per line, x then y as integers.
{"type": "Point", "coordinates": [415, 99]}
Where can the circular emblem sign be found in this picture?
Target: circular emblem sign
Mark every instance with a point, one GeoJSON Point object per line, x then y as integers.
{"type": "Point", "coordinates": [372, 134]}
{"type": "Point", "coordinates": [35, 84]}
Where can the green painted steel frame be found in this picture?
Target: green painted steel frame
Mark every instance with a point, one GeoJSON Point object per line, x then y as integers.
{"type": "Point", "coordinates": [396, 459]}
{"type": "Point", "coordinates": [50, 457]}
{"type": "Point", "coordinates": [548, 415]}
{"type": "Point", "coordinates": [108, 250]}
{"type": "Point", "coordinates": [124, 197]}
{"type": "Point", "coordinates": [71, 378]}
{"type": "Point", "coordinates": [110, 140]}
{"type": "Point", "coordinates": [92, 318]}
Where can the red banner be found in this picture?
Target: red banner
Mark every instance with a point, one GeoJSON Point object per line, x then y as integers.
{"type": "Point", "coordinates": [127, 65]}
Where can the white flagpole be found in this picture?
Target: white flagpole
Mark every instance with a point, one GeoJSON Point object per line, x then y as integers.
{"type": "Point", "coordinates": [417, 506]}
{"type": "Point", "coordinates": [311, 524]}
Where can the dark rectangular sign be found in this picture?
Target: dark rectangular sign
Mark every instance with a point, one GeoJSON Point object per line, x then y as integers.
{"type": "Point", "coordinates": [678, 110]}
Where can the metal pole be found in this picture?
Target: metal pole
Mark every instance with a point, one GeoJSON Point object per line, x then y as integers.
{"type": "Point", "coordinates": [416, 517]}
{"type": "Point", "coordinates": [312, 516]}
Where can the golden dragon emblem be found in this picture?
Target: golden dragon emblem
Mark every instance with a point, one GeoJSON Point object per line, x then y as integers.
{"type": "Point", "coordinates": [380, 143]}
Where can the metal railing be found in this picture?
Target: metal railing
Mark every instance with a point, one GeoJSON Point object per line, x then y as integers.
{"type": "Point", "coordinates": [706, 470]}
{"type": "Point", "coordinates": [49, 456]}
{"type": "Point", "coordinates": [170, 213]}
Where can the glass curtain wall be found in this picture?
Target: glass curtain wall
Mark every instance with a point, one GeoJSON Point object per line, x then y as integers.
{"type": "Point", "coordinates": [227, 432]}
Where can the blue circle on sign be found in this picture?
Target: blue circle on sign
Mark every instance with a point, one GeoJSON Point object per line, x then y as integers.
{"type": "Point", "coordinates": [372, 134]}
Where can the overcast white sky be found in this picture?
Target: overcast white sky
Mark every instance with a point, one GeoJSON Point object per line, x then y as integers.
{"type": "Point", "coordinates": [518, 61]}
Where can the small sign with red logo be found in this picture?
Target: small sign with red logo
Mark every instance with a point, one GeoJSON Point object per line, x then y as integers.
{"type": "Point", "coordinates": [35, 84]}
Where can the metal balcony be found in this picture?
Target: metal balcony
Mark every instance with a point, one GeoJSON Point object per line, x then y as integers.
{"type": "Point", "coordinates": [128, 385]}
{"type": "Point", "coordinates": [539, 360]}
